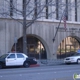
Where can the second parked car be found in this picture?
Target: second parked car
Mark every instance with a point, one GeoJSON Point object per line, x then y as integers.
{"type": "Point", "coordinates": [73, 59]}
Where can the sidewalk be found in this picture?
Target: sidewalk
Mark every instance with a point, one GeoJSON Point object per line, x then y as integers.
{"type": "Point", "coordinates": [51, 62]}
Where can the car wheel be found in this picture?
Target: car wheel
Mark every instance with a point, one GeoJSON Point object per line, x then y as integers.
{"type": "Point", "coordinates": [78, 61]}
{"type": "Point", "coordinates": [26, 64]}
{"type": "Point", "coordinates": [0, 66]}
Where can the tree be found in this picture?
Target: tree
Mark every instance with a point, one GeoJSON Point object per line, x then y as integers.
{"type": "Point", "coordinates": [33, 10]}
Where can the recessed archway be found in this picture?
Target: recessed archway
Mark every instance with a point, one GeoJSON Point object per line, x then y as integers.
{"type": "Point", "coordinates": [35, 47]}
{"type": "Point", "coordinates": [68, 46]}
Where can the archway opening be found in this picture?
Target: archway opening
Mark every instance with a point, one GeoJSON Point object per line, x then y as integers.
{"type": "Point", "coordinates": [35, 47]}
{"type": "Point", "coordinates": [68, 47]}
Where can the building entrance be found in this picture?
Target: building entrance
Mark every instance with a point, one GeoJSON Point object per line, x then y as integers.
{"type": "Point", "coordinates": [68, 47]}
{"type": "Point", "coordinates": [35, 47]}
{"type": "Point", "coordinates": [31, 50]}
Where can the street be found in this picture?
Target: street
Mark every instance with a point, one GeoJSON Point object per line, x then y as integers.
{"type": "Point", "coordinates": [58, 72]}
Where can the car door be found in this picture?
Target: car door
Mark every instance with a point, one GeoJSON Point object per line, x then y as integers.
{"type": "Point", "coordinates": [20, 59]}
{"type": "Point", "coordinates": [11, 60]}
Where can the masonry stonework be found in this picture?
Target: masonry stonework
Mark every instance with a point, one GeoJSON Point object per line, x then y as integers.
{"type": "Point", "coordinates": [43, 30]}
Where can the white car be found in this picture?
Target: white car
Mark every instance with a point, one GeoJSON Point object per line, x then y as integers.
{"type": "Point", "coordinates": [73, 59]}
{"type": "Point", "coordinates": [16, 59]}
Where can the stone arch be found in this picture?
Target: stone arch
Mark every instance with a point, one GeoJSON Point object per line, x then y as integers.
{"type": "Point", "coordinates": [69, 42]}
{"type": "Point", "coordinates": [41, 40]}
{"type": "Point", "coordinates": [77, 38]}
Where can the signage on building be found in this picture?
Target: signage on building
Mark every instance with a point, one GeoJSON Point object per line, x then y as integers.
{"type": "Point", "coordinates": [62, 29]}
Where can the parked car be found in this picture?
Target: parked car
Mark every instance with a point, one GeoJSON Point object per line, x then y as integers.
{"type": "Point", "coordinates": [72, 59]}
{"type": "Point", "coordinates": [16, 59]}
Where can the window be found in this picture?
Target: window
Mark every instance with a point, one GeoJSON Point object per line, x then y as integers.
{"type": "Point", "coordinates": [66, 9]}
{"type": "Point", "coordinates": [35, 10]}
{"type": "Point", "coordinates": [75, 10]}
{"type": "Point", "coordinates": [46, 9]}
{"type": "Point", "coordinates": [24, 6]}
{"type": "Point", "coordinates": [57, 9]}
{"type": "Point", "coordinates": [11, 7]}
{"type": "Point", "coordinates": [11, 56]}
{"type": "Point", "coordinates": [20, 56]}
{"type": "Point", "coordinates": [4, 56]}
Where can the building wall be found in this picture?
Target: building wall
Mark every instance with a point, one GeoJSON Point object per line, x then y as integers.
{"type": "Point", "coordinates": [43, 30]}
{"type": "Point", "coordinates": [52, 9]}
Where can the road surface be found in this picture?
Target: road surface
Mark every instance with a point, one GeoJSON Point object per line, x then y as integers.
{"type": "Point", "coordinates": [59, 72]}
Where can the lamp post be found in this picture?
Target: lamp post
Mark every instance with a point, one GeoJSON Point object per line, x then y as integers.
{"type": "Point", "coordinates": [24, 28]}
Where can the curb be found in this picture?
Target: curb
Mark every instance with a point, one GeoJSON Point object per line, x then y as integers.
{"type": "Point", "coordinates": [50, 62]}
{"type": "Point", "coordinates": [35, 65]}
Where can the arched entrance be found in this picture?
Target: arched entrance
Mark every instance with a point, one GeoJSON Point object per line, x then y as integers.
{"type": "Point", "coordinates": [35, 47]}
{"type": "Point", "coordinates": [68, 46]}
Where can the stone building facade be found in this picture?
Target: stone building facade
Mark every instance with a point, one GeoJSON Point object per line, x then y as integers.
{"type": "Point", "coordinates": [44, 29]}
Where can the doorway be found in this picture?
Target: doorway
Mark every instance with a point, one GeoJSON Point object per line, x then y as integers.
{"type": "Point", "coordinates": [35, 47]}
{"type": "Point", "coordinates": [68, 47]}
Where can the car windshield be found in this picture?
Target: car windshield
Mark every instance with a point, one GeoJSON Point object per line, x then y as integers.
{"type": "Point", "coordinates": [77, 54]}
{"type": "Point", "coordinates": [4, 56]}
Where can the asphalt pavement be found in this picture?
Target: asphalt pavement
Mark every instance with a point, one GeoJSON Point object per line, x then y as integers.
{"type": "Point", "coordinates": [60, 72]}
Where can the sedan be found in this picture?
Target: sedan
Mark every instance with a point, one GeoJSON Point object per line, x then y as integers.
{"type": "Point", "coordinates": [72, 59]}
{"type": "Point", "coordinates": [16, 59]}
